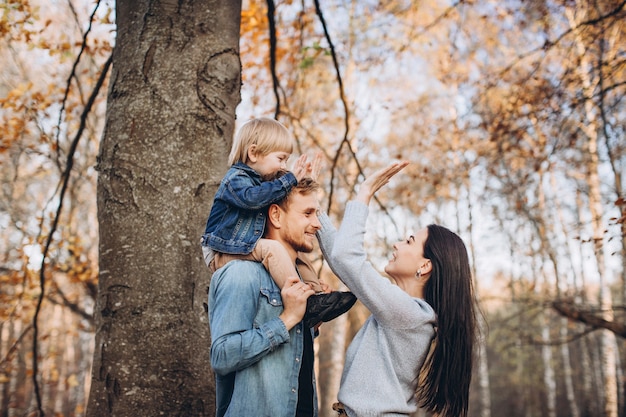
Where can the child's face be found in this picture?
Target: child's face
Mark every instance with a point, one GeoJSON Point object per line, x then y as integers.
{"type": "Point", "coordinates": [270, 164]}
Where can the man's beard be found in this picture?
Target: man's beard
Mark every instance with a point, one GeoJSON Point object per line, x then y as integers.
{"type": "Point", "coordinates": [298, 246]}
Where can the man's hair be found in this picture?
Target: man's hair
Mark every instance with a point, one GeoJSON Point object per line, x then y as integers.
{"type": "Point", "coordinates": [267, 134]}
{"type": "Point", "coordinates": [305, 186]}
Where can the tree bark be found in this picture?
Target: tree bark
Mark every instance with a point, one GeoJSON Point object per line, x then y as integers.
{"type": "Point", "coordinates": [171, 106]}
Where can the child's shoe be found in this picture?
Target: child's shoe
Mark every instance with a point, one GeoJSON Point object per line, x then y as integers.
{"type": "Point", "coordinates": [327, 306]}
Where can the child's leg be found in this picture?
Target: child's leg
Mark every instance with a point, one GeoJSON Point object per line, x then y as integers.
{"type": "Point", "coordinates": [307, 272]}
{"type": "Point", "coordinates": [276, 260]}
{"type": "Point", "coordinates": [271, 253]}
{"type": "Point", "coordinates": [220, 259]}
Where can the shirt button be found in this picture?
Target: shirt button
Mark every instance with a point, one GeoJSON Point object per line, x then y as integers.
{"type": "Point", "coordinates": [297, 359]}
{"type": "Point", "coordinates": [293, 390]}
{"type": "Point", "coordinates": [298, 331]}
{"type": "Point", "coordinates": [273, 300]}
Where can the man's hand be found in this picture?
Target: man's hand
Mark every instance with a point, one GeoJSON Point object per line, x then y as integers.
{"type": "Point", "coordinates": [294, 295]}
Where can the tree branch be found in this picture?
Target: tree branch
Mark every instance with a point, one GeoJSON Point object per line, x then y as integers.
{"type": "Point", "coordinates": [345, 140]}
{"type": "Point", "coordinates": [271, 9]}
{"type": "Point", "coordinates": [574, 313]}
{"type": "Point", "coordinates": [83, 46]}
{"type": "Point", "coordinates": [65, 181]}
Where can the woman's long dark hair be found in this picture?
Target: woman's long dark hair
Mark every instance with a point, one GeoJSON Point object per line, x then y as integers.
{"type": "Point", "coordinates": [444, 380]}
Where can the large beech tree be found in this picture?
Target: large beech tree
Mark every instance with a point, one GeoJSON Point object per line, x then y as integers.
{"type": "Point", "coordinates": [174, 87]}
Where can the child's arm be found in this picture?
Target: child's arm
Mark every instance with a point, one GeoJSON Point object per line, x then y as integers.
{"type": "Point", "coordinates": [241, 191]}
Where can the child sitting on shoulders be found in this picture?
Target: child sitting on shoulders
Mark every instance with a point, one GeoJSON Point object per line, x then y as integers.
{"type": "Point", "coordinates": [236, 222]}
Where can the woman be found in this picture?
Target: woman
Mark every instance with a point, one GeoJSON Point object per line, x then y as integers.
{"type": "Point", "coordinates": [416, 348]}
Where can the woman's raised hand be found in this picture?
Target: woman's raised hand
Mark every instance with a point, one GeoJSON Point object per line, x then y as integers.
{"type": "Point", "coordinates": [379, 178]}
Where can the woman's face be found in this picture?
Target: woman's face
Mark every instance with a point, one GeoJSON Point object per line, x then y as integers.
{"type": "Point", "coordinates": [408, 256]}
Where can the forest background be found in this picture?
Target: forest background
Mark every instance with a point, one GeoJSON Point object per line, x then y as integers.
{"type": "Point", "coordinates": [511, 112]}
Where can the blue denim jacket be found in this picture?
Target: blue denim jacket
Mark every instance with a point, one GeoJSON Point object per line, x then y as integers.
{"type": "Point", "coordinates": [256, 361]}
{"type": "Point", "coordinates": [237, 218]}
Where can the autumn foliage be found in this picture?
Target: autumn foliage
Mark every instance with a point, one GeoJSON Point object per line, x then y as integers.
{"type": "Point", "coordinates": [512, 114]}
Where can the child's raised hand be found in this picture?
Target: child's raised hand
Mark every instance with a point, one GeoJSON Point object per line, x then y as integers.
{"type": "Point", "coordinates": [301, 167]}
{"type": "Point", "coordinates": [315, 166]}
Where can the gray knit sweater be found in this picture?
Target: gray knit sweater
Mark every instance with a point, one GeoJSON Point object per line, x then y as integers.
{"type": "Point", "coordinates": [382, 362]}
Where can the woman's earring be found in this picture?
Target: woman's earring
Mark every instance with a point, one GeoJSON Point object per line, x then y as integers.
{"type": "Point", "coordinates": [418, 274]}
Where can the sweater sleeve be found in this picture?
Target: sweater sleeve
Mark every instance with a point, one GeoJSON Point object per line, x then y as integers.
{"type": "Point", "coordinates": [326, 237]}
{"type": "Point", "coordinates": [345, 253]}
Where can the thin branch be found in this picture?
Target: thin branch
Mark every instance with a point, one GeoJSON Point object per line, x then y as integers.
{"type": "Point", "coordinates": [14, 346]}
{"type": "Point", "coordinates": [531, 341]}
{"type": "Point", "coordinates": [550, 43]}
{"type": "Point", "coordinates": [74, 307]}
{"type": "Point", "coordinates": [72, 75]}
{"type": "Point", "coordinates": [424, 30]}
{"type": "Point", "coordinates": [346, 110]}
{"type": "Point", "coordinates": [271, 10]}
{"type": "Point", "coordinates": [65, 182]}
{"type": "Point", "coordinates": [345, 140]}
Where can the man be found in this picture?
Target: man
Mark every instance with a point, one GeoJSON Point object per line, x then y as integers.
{"type": "Point", "coordinates": [262, 354]}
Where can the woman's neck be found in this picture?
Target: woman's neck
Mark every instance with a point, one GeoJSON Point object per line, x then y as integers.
{"type": "Point", "coordinates": [412, 286]}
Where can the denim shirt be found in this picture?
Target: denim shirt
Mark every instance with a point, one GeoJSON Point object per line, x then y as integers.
{"type": "Point", "coordinates": [237, 218]}
{"type": "Point", "coordinates": [255, 359]}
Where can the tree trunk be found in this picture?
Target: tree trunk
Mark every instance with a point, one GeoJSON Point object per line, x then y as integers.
{"type": "Point", "coordinates": [171, 107]}
{"type": "Point", "coordinates": [568, 377]}
{"type": "Point", "coordinates": [481, 345]}
{"type": "Point", "coordinates": [483, 370]}
{"type": "Point", "coordinates": [546, 348]}
{"type": "Point", "coordinates": [589, 127]}
{"type": "Point", "coordinates": [548, 369]}
{"type": "Point", "coordinates": [546, 231]}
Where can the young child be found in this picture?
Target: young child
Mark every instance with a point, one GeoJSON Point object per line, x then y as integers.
{"type": "Point", "coordinates": [236, 222]}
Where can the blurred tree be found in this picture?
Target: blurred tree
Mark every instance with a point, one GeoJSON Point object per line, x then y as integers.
{"type": "Point", "coordinates": [50, 121]}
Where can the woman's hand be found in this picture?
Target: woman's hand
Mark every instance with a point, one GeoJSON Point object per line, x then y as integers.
{"type": "Point", "coordinates": [379, 178]}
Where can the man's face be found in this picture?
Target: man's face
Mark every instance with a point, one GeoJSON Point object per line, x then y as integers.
{"type": "Point", "coordinates": [300, 222]}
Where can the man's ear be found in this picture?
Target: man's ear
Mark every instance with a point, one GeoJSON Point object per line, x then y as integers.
{"type": "Point", "coordinates": [274, 215]}
{"type": "Point", "coordinates": [252, 153]}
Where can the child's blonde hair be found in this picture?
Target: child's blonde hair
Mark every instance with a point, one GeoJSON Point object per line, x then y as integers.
{"type": "Point", "coordinates": [267, 134]}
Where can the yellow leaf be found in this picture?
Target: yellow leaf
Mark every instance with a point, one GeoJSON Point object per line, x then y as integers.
{"type": "Point", "coordinates": [72, 381]}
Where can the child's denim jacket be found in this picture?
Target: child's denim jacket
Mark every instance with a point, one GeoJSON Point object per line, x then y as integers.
{"type": "Point", "coordinates": [237, 218]}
